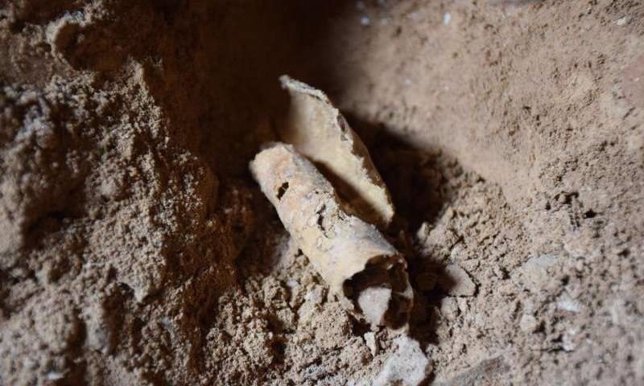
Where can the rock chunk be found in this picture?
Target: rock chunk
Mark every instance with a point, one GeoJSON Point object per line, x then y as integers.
{"type": "Point", "coordinates": [407, 366]}
{"type": "Point", "coordinates": [455, 281]}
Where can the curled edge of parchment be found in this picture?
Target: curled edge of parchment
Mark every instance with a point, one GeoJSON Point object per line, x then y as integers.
{"type": "Point", "coordinates": [317, 129]}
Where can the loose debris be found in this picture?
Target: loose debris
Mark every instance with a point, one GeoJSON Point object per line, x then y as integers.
{"type": "Point", "coordinates": [407, 366]}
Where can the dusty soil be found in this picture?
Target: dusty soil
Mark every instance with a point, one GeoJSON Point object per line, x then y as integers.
{"type": "Point", "coordinates": [136, 249]}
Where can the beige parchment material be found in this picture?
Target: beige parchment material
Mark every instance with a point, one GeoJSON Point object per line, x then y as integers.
{"type": "Point", "coordinates": [319, 131]}
{"type": "Point", "coordinates": [351, 255]}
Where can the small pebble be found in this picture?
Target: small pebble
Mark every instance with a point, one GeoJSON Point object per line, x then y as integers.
{"type": "Point", "coordinates": [566, 303]}
{"type": "Point", "coordinates": [370, 341]}
{"type": "Point", "coordinates": [528, 323]}
{"type": "Point", "coordinates": [449, 308]}
{"type": "Point", "coordinates": [55, 376]}
{"type": "Point", "coordinates": [406, 366]}
{"type": "Point", "coordinates": [622, 21]}
{"type": "Point", "coordinates": [447, 17]}
{"type": "Point", "coordinates": [456, 281]}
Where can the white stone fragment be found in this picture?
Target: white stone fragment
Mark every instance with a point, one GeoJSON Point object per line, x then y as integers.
{"type": "Point", "coordinates": [370, 341]}
{"type": "Point", "coordinates": [622, 21]}
{"type": "Point", "coordinates": [447, 17]}
{"type": "Point", "coordinates": [407, 366]}
{"type": "Point", "coordinates": [566, 303]}
{"type": "Point", "coordinates": [528, 323]}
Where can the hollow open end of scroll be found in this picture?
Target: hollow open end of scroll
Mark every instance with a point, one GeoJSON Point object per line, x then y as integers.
{"type": "Point", "coordinates": [381, 291]}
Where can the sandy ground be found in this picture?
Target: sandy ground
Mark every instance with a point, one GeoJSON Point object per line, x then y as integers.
{"type": "Point", "coordinates": [136, 249]}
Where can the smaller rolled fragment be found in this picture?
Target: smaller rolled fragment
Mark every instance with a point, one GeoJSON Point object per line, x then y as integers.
{"type": "Point", "coordinates": [366, 272]}
{"type": "Point", "coordinates": [318, 130]}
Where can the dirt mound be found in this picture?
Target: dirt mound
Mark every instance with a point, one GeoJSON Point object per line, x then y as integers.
{"type": "Point", "coordinates": [135, 247]}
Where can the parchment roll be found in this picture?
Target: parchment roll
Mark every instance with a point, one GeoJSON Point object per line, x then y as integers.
{"type": "Point", "coordinates": [366, 272]}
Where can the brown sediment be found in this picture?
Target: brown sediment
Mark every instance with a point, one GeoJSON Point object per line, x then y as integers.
{"type": "Point", "coordinates": [135, 248]}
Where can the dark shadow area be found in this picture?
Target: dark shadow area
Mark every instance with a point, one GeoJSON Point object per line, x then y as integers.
{"type": "Point", "coordinates": [213, 66]}
{"type": "Point", "coordinates": [418, 182]}
{"type": "Point", "coordinates": [222, 88]}
{"type": "Point", "coordinates": [415, 177]}
{"type": "Point", "coordinates": [260, 251]}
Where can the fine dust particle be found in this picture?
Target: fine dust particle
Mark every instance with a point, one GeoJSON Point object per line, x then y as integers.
{"type": "Point", "coordinates": [407, 366]}
{"type": "Point", "coordinates": [622, 21]}
{"type": "Point", "coordinates": [535, 271]}
{"type": "Point", "coordinates": [447, 17]}
{"type": "Point", "coordinates": [54, 376]}
{"type": "Point", "coordinates": [483, 373]}
{"type": "Point", "coordinates": [528, 323]}
{"type": "Point", "coordinates": [566, 303]}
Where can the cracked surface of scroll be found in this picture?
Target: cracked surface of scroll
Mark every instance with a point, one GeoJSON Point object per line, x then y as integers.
{"type": "Point", "coordinates": [366, 272]}
{"type": "Point", "coordinates": [317, 130]}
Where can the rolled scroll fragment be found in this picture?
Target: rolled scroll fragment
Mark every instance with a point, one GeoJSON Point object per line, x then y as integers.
{"type": "Point", "coordinates": [353, 257]}
{"type": "Point", "coordinates": [317, 129]}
